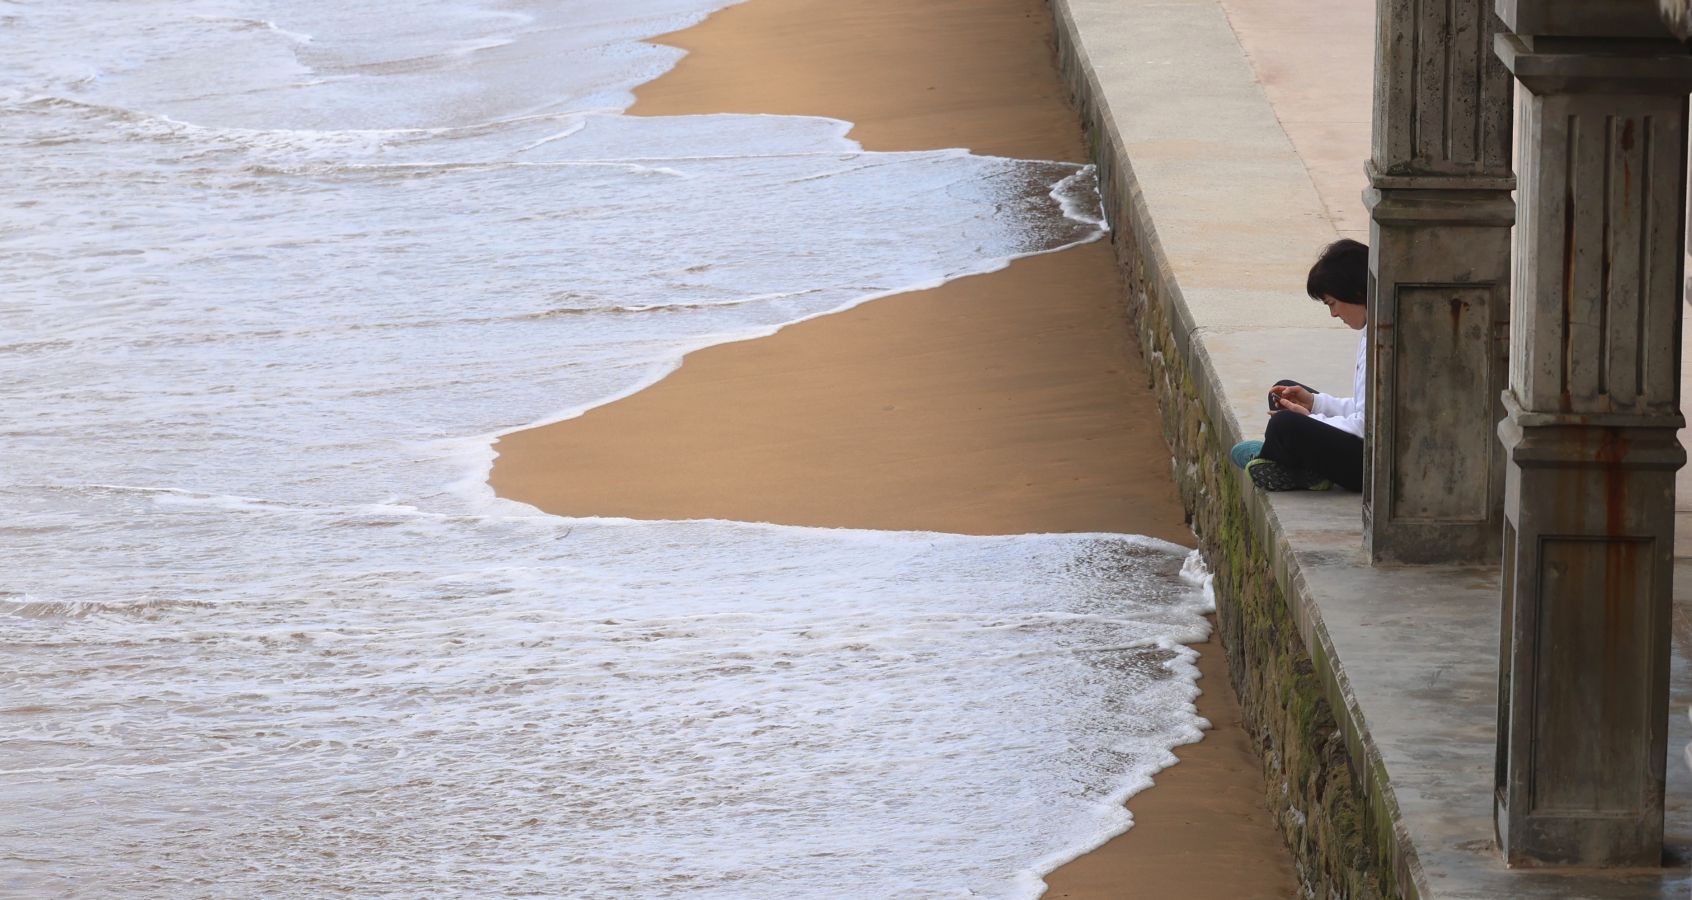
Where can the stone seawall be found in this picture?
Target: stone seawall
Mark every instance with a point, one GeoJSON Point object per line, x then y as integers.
{"type": "Point", "coordinates": [1342, 847]}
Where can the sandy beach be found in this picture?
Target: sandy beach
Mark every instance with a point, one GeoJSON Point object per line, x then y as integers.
{"type": "Point", "coordinates": [1006, 403]}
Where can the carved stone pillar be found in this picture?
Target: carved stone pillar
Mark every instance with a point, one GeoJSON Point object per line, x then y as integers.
{"type": "Point", "coordinates": [1591, 415]}
{"type": "Point", "coordinates": [1439, 304]}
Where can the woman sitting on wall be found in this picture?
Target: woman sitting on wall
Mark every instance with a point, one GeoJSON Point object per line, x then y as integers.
{"type": "Point", "coordinates": [1315, 440]}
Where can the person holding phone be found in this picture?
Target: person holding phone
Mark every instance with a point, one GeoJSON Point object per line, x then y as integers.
{"type": "Point", "coordinates": [1315, 440]}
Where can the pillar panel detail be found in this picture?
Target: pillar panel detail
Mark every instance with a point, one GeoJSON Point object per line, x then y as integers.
{"type": "Point", "coordinates": [1442, 99]}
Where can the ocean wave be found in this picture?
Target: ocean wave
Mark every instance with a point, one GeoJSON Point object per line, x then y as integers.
{"type": "Point", "coordinates": [266, 322]}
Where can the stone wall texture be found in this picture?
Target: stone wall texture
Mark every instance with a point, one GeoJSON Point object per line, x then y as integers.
{"type": "Point", "coordinates": [1341, 841]}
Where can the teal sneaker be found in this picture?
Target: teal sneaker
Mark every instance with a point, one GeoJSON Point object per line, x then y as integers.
{"type": "Point", "coordinates": [1272, 476]}
{"type": "Point", "coordinates": [1244, 452]}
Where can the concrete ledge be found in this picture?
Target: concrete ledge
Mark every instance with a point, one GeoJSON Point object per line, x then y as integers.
{"type": "Point", "coordinates": [1372, 691]}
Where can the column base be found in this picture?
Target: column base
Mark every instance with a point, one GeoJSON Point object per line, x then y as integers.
{"type": "Point", "coordinates": [1439, 313]}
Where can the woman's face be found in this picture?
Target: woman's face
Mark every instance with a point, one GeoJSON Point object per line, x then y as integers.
{"type": "Point", "coordinates": [1354, 315]}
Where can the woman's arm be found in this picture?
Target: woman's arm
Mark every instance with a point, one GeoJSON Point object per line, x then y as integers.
{"type": "Point", "coordinates": [1329, 406]}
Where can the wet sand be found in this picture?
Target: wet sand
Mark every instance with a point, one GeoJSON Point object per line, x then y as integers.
{"type": "Point", "coordinates": [1011, 402]}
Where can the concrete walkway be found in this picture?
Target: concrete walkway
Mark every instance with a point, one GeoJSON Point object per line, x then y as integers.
{"type": "Point", "coordinates": [1245, 125]}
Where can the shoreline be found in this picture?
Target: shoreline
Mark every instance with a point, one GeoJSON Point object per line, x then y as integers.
{"type": "Point", "coordinates": [964, 409]}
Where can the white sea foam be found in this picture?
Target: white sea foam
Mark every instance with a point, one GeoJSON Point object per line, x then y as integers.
{"type": "Point", "coordinates": [278, 273]}
{"type": "Point", "coordinates": [1197, 573]}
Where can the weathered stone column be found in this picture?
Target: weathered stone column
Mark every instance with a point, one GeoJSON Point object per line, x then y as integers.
{"type": "Point", "coordinates": [1591, 415]}
{"type": "Point", "coordinates": [1439, 304]}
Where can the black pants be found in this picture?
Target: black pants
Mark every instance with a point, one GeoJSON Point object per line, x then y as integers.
{"type": "Point", "coordinates": [1301, 442]}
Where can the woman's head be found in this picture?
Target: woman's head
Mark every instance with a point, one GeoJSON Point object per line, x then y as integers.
{"type": "Point", "coordinates": [1340, 279]}
{"type": "Point", "coordinates": [1341, 272]}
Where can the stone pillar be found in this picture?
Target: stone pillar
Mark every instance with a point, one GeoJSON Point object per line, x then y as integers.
{"type": "Point", "coordinates": [1439, 264]}
{"type": "Point", "coordinates": [1591, 414]}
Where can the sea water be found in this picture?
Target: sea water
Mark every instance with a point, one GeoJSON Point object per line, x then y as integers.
{"type": "Point", "coordinates": [277, 273]}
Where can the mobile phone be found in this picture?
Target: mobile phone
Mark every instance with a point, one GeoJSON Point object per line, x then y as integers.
{"type": "Point", "coordinates": [1274, 403]}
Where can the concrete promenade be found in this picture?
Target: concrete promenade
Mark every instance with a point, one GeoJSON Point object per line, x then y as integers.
{"type": "Point", "coordinates": [1235, 133]}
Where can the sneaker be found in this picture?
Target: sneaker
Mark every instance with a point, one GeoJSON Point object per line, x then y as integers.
{"type": "Point", "coordinates": [1244, 452]}
{"type": "Point", "coordinates": [1272, 476]}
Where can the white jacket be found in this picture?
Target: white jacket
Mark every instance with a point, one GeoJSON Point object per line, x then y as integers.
{"type": "Point", "coordinates": [1346, 413]}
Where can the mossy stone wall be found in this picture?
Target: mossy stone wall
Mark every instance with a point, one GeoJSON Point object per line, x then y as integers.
{"type": "Point", "coordinates": [1311, 784]}
{"type": "Point", "coordinates": [1341, 842]}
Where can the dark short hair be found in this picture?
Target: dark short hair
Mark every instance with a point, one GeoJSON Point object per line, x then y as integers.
{"type": "Point", "coordinates": [1341, 272]}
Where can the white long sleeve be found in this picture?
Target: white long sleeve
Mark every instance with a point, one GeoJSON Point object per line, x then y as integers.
{"type": "Point", "coordinates": [1346, 413]}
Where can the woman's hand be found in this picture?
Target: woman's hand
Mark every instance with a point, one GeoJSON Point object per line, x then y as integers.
{"type": "Point", "coordinates": [1292, 398]}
